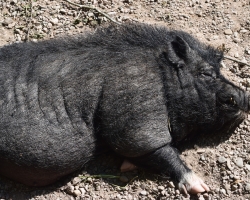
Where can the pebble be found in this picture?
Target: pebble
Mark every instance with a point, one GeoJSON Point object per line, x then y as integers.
{"type": "Point", "coordinates": [143, 192]}
{"type": "Point", "coordinates": [7, 21]}
{"type": "Point", "coordinates": [247, 187]}
{"type": "Point", "coordinates": [54, 21]}
{"type": "Point", "coordinates": [236, 55]}
{"type": "Point", "coordinates": [200, 151]}
{"type": "Point", "coordinates": [171, 184]}
{"type": "Point", "coordinates": [77, 193]}
{"type": "Point", "coordinates": [239, 162]}
{"type": "Point", "coordinates": [223, 191]}
{"type": "Point", "coordinates": [222, 159]}
{"type": "Point", "coordinates": [248, 167]}
{"type": "Point", "coordinates": [201, 197]}
{"type": "Point", "coordinates": [228, 32]}
{"type": "Point", "coordinates": [161, 188]}
{"type": "Point", "coordinates": [76, 180]}
{"type": "Point", "coordinates": [203, 158]}
{"type": "Point", "coordinates": [70, 189]}
{"type": "Point", "coordinates": [234, 187]}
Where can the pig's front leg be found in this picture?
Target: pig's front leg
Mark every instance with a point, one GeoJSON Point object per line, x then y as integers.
{"type": "Point", "coordinates": [166, 160]}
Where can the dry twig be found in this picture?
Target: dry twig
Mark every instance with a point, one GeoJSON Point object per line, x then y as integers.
{"type": "Point", "coordinates": [93, 8]}
{"type": "Point", "coordinates": [235, 60]}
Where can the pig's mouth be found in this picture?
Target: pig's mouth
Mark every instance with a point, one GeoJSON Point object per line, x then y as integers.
{"type": "Point", "coordinates": [230, 125]}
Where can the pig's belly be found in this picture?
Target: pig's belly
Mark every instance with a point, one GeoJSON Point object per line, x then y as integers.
{"type": "Point", "coordinates": [35, 151]}
{"type": "Point", "coordinates": [38, 142]}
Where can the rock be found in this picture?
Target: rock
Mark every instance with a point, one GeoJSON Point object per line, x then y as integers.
{"type": "Point", "coordinates": [200, 151]}
{"type": "Point", "coordinates": [248, 167]}
{"type": "Point", "coordinates": [76, 180]}
{"type": "Point", "coordinates": [223, 191]}
{"type": "Point", "coordinates": [7, 21]}
{"type": "Point", "coordinates": [201, 197]}
{"type": "Point", "coordinates": [83, 191]}
{"type": "Point", "coordinates": [143, 192]}
{"type": "Point", "coordinates": [234, 187]}
{"type": "Point", "coordinates": [239, 162]}
{"type": "Point", "coordinates": [54, 21]}
{"type": "Point", "coordinates": [63, 11]}
{"type": "Point", "coordinates": [229, 165]}
{"type": "Point", "coordinates": [161, 188]}
{"type": "Point", "coordinates": [222, 159]}
{"type": "Point", "coordinates": [236, 55]}
{"type": "Point", "coordinates": [70, 189]}
{"type": "Point", "coordinates": [228, 32]}
{"type": "Point", "coordinates": [202, 158]}
{"type": "Point", "coordinates": [77, 193]}
{"type": "Point", "coordinates": [247, 187]}
{"type": "Point", "coordinates": [171, 184]}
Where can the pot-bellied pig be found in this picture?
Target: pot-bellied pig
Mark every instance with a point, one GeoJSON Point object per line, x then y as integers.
{"type": "Point", "coordinates": [135, 88]}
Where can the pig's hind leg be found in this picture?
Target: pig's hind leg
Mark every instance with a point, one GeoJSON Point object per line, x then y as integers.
{"type": "Point", "coordinates": [166, 160]}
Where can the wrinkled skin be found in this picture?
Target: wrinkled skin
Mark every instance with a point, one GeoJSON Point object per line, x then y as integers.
{"type": "Point", "coordinates": [136, 89]}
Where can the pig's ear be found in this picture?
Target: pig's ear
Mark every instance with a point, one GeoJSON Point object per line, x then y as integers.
{"type": "Point", "coordinates": [180, 47]}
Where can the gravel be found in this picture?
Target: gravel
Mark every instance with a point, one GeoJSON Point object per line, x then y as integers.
{"type": "Point", "coordinates": [224, 163]}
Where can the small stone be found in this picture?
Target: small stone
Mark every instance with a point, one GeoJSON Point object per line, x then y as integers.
{"type": "Point", "coordinates": [7, 21]}
{"type": "Point", "coordinates": [234, 187]}
{"type": "Point", "coordinates": [243, 31]}
{"type": "Point", "coordinates": [63, 11]}
{"type": "Point", "coordinates": [171, 184]}
{"type": "Point", "coordinates": [248, 167]}
{"type": "Point", "coordinates": [77, 193]}
{"type": "Point", "coordinates": [236, 55]}
{"type": "Point", "coordinates": [54, 21]}
{"type": "Point", "coordinates": [124, 179]}
{"type": "Point", "coordinates": [222, 159]}
{"type": "Point", "coordinates": [200, 151]}
{"type": "Point", "coordinates": [161, 188]}
{"type": "Point", "coordinates": [229, 165]}
{"type": "Point", "coordinates": [203, 158]}
{"type": "Point", "coordinates": [236, 178]}
{"type": "Point", "coordinates": [76, 180]}
{"type": "Point", "coordinates": [223, 191]}
{"type": "Point", "coordinates": [90, 14]}
{"type": "Point", "coordinates": [228, 32]}
{"type": "Point", "coordinates": [201, 197]}
{"type": "Point", "coordinates": [70, 189]}
{"type": "Point", "coordinates": [239, 162]}
{"type": "Point", "coordinates": [143, 192]}
{"type": "Point", "coordinates": [247, 187]}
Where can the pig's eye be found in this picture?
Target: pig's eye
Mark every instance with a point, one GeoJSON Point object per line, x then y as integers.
{"type": "Point", "coordinates": [232, 101]}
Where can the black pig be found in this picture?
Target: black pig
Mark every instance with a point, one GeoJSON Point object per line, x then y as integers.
{"type": "Point", "coordinates": [136, 88]}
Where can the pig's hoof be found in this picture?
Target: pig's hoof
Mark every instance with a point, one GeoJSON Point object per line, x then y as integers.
{"type": "Point", "coordinates": [192, 184]}
{"type": "Point", "coordinates": [127, 166]}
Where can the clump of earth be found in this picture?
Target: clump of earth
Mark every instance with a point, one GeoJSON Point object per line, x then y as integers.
{"type": "Point", "coordinates": [223, 162]}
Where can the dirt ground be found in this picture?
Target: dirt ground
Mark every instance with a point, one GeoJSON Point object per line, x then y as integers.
{"type": "Point", "coordinates": [224, 163]}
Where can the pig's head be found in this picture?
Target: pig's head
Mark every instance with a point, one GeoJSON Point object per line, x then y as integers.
{"type": "Point", "coordinates": [199, 98]}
